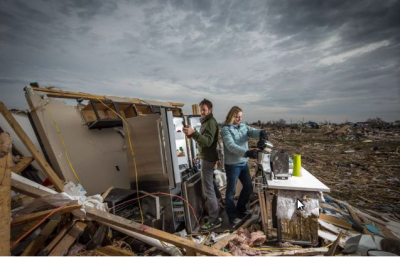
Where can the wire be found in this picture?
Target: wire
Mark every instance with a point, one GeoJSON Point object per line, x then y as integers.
{"type": "Point", "coordinates": [160, 193]}
{"type": "Point", "coordinates": [37, 225]}
{"type": "Point", "coordinates": [132, 152]}
{"type": "Point", "coordinates": [274, 248]}
{"type": "Point", "coordinates": [63, 144]}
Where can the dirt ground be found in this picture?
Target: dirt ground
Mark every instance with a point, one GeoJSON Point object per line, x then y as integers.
{"type": "Point", "coordinates": [368, 177]}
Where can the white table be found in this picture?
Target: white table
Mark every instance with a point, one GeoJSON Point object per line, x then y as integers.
{"type": "Point", "coordinates": [307, 182]}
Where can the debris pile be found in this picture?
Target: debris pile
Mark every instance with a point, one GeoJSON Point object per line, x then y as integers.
{"type": "Point", "coordinates": [50, 216]}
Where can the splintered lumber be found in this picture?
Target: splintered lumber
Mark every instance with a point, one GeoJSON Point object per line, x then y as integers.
{"type": "Point", "coordinates": [22, 164]}
{"type": "Point", "coordinates": [28, 187]}
{"type": "Point", "coordinates": [108, 218]}
{"type": "Point", "coordinates": [62, 247]}
{"type": "Point", "coordinates": [111, 250]}
{"type": "Point", "coordinates": [105, 194]}
{"type": "Point", "coordinates": [39, 241]}
{"type": "Point", "coordinates": [40, 215]}
{"type": "Point", "coordinates": [75, 95]}
{"type": "Point", "coordinates": [5, 195]}
{"type": "Point", "coordinates": [332, 249]}
{"type": "Point", "coordinates": [300, 252]}
{"type": "Point", "coordinates": [44, 165]}
{"type": "Point", "coordinates": [57, 238]}
{"type": "Point", "coordinates": [335, 221]}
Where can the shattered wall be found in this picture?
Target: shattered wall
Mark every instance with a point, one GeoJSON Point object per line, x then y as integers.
{"type": "Point", "coordinates": [98, 156]}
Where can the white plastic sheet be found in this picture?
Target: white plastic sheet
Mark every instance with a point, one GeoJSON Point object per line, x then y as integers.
{"type": "Point", "coordinates": [287, 208]}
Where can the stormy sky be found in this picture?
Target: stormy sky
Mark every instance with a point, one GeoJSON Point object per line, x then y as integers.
{"type": "Point", "coordinates": [318, 60]}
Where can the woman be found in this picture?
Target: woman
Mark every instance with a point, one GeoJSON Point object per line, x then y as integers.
{"type": "Point", "coordinates": [235, 135]}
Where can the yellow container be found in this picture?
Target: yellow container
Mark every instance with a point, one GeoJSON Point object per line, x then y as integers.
{"type": "Point", "coordinates": [297, 165]}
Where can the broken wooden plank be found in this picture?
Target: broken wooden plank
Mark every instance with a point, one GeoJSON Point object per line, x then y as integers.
{"type": "Point", "coordinates": [40, 215]}
{"type": "Point", "coordinates": [28, 187]}
{"type": "Point", "coordinates": [300, 252]}
{"type": "Point", "coordinates": [105, 218]}
{"type": "Point", "coordinates": [57, 238]}
{"type": "Point", "coordinates": [264, 216]}
{"type": "Point", "coordinates": [332, 228]}
{"type": "Point", "coordinates": [22, 164]}
{"type": "Point", "coordinates": [105, 194]}
{"type": "Point", "coordinates": [335, 221]}
{"type": "Point", "coordinates": [111, 250]}
{"type": "Point", "coordinates": [39, 241]}
{"type": "Point", "coordinates": [44, 165]}
{"type": "Point", "coordinates": [5, 193]}
{"type": "Point", "coordinates": [332, 249]}
{"type": "Point", "coordinates": [63, 246]}
{"type": "Point", "coordinates": [371, 217]}
{"type": "Point", "coordinates": [75, 95]}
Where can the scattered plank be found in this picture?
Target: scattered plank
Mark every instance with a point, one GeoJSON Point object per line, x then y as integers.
{"type": "Point", "coordinates": [5, 195]}
{"type": "Point", "coordinates": [22, 164]}
{"type": "Point", "coordinates": [39, 241]}
{"type": "Point", "coordinates": [332, 249]}
{"type": "Point", "coordinates": [111, 250]}
{"type": "Point", "coordinates": [40, 215]}
{"type": "Point", "coordinates": [335, 221]}
{"type": "Point", "coordinates": [371, 217]}
{"type": "Point", "coordinates": [28, 187]}
{"type": "Point", "coordinates": [57, 238]}
{"type": "Point", "coordinates": [105, 194]}
{"type": "Point", "coordinates": [104, 217]}
{"type": "Point", "coordinates": [330, 227]}
{"type": "Point", "coordinates": [44, 165]}
{"type": "Point", "coordinates": [62, 247]}
{"type": "Point", "coordinates": [75, 95]}
{"type": "Point", "coordinates": [301, 252]}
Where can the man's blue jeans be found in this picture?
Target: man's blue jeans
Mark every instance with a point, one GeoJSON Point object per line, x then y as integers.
{"type": "Point", "coordinates": [233, 173]}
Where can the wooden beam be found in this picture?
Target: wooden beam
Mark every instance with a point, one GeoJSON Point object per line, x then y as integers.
{"type": "Point", "coordinates": [57, 238]}
{"type": "Point", "coordinates": [28, 187]}
{"type": "Point", "coordinates": [75, 95]}
{"type": "Point", "coordinates": [111, 250]}
{"type": "Point", "coordinates": [5, 195]}
{"type": "Point", "coordinates": [22, 164]}
{"type": "Point", "coordinates": [105, 194]}
{"type": "Point", "coordinates": [37, 244]}
{"type": "Point", "coordinates": [40, 215]}
{"type": "Point", "coordinates": [300, 252]}
{"type": "Point", "coordinates": [333, 247]}
{"type": "Point", "coordinates": [46, 168]}
{"type": "Point", "coordinates": [104, 217]}
{"type": "Point", "coordinates": [335, 221]}
{"type": "Point", "coordinates": [63, 246]}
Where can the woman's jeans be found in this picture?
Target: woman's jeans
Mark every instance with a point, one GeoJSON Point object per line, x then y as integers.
{"type": "Point", "coordinates": [233, 173]}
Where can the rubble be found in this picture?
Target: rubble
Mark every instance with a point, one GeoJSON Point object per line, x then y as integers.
{"type": "Point", "coordinates": [359, 164]}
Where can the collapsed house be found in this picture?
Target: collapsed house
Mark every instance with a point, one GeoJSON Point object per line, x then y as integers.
{"type": "Point", "coordinates": [134, 154]}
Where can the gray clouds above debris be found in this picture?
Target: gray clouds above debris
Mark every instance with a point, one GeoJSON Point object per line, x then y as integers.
{"type": "Point", "coordinates": [321, 60]}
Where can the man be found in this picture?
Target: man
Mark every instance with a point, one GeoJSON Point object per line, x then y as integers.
{"type": "Point", "coordinates": [207, 140]}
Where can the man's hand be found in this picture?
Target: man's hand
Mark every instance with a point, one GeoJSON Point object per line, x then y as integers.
{"type": "Point", "coordinates": [188, 130]}
{"type": "Point", "coordinates": [263, 135]}
{"type": "Point", "coordinates": [251, 154]}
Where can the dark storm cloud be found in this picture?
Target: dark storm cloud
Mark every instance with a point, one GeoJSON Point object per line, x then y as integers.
{"type": "Point", "coordinates": [87, 9]}
{"type": "Point", "coordinates": [310, 57]}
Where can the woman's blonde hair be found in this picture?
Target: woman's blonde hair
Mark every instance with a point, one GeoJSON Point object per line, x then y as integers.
{"type": "Point", "coordinates": [230, 117]}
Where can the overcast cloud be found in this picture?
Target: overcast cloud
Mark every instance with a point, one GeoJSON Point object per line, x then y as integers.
{"type": "Point", "coordinates": [321, 60]}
